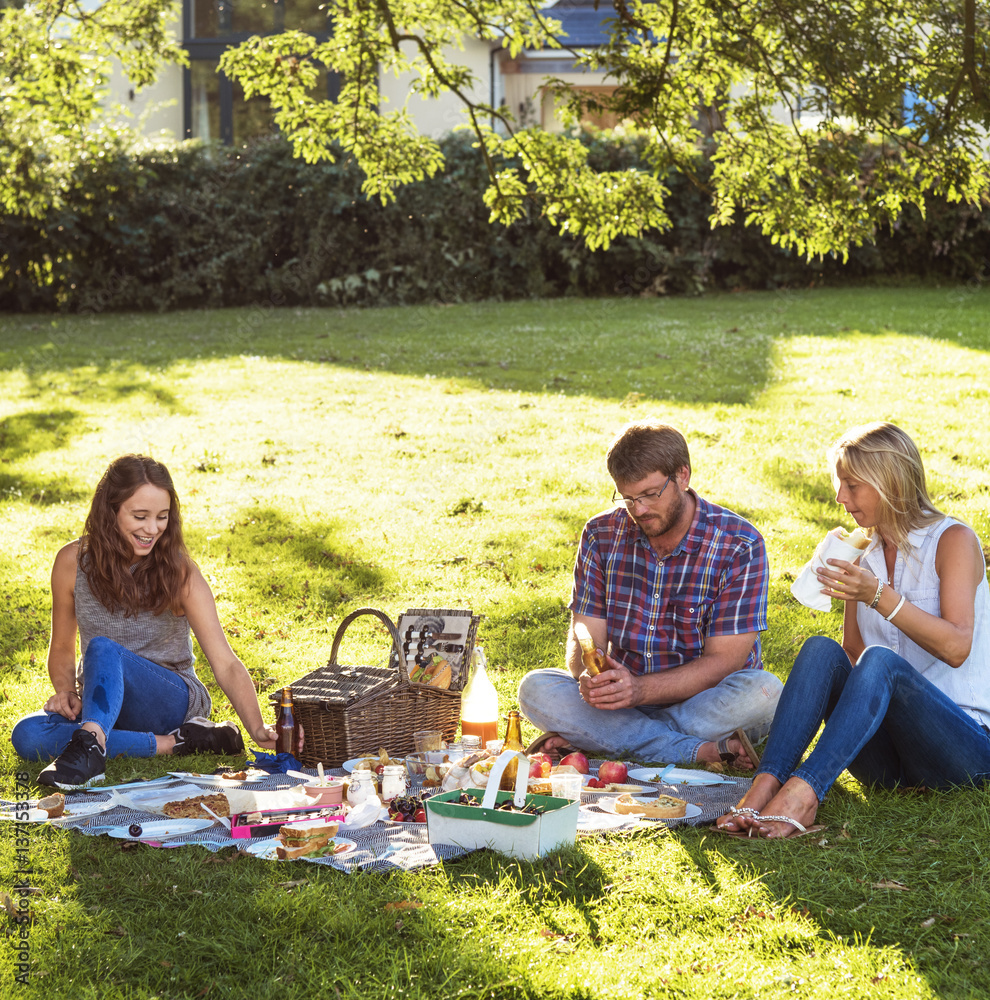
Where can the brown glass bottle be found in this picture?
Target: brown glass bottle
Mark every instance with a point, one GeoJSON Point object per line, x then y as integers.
{"type": "Point", "coordinates": [513, 741]}
{"type": "Point", "coordinates": [285, 724]}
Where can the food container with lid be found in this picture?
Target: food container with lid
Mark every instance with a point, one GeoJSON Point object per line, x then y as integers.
{"type": "Point", "coordinates": [394, 782]}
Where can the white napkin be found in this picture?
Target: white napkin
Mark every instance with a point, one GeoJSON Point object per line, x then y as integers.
{"type": "Point", "coordinates": [365, 813]}
{"type": "Point", "coordinates": [807, 587]}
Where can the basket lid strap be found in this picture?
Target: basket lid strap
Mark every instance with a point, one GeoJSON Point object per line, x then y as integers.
{"type": "Point", "coordinates": [396, 657]}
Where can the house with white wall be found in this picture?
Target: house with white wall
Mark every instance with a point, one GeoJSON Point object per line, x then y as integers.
{"type": "Point", "coordinates": [197, 102]}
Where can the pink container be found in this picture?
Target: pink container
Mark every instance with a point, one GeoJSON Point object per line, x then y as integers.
{"type": "Point", "coordinates": [331, 793]}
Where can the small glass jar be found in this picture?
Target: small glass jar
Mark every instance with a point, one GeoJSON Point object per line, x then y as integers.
{"type": "Point", "coordinates": [361, 786]}
{"type": "Point", "coordinates": [393, 781]}
{"type": "Point", "coordinates": [471, 744]}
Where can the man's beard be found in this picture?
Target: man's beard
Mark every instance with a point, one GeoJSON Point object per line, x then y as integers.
{"type": "Point", "coordinates": [654, 525]}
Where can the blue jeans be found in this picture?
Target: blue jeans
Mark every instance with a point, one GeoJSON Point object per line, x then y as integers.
{"type": "Point", "coordinates": [130, 698]}
{"type": "Point", "coordinates": [746, 699]}
{"type": "Point", "coordinates": [883, 721]}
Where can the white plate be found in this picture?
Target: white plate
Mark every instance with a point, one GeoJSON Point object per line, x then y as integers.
{"type": "Point", "coordinates": [349, 765]}
{"type": "Point", "coordinates": [30, 815]}
{"type": "Point", "coordinates": [159, 829]}
{"type": "Point", "coordinates": [216, 779]}
{"type": "Point", "coordinates": [679, 776]}
{"type": "Point", "coordinates": [594, 822]}
{"type": "Point", "coordinates": [75, 810]}
{"type": "Point", "coordinates": [266, 849]}
{"type": "Point", "coordinates": [605, 791]}
{"type": "Point", "coordinates": [690, 813]}
{"type": "Point", "coordinates": [84, 807]}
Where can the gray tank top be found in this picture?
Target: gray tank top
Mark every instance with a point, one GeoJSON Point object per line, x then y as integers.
{"type": "Point", "coordinates": [164, 639]}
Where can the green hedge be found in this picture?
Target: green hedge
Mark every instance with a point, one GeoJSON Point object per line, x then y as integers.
{"type": "Point", "coordinates": [196, 227]}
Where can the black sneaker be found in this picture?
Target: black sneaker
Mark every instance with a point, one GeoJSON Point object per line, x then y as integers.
{"type": "Point", "coordinates": [82, 762]}
{"type": "Point", "coordinates": [199, 735]}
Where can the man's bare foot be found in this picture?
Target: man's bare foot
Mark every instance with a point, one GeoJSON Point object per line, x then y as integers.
{"type": "Point", "coordinates": [762, 791]}
{"type": "Point", "coordinates": [708, 754]}
{"type": "Point", "coordinates": [796, 799]}
{"type": "Point", "coordinates": [551, 743]}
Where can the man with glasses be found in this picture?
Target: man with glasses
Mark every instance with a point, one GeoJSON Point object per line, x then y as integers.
{"type": "Point", "coordinates": [674, 589]}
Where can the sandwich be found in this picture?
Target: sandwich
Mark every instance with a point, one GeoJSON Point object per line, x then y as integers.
{"type": "Point", "coordinates": [662, 807]}
{"type": "Point", "coordinates": [307, 840]}
{"type": "Point", "coordinates": [593, 661]}
{"type": "Point", "coordinates": [436, 672]}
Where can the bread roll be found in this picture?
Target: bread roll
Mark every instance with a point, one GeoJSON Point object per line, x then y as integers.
{"type": "Point", "coordinates": [54, 805]}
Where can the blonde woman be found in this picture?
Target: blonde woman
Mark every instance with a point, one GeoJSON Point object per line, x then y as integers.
{"type": "Point", "coordinates": [906, 697]}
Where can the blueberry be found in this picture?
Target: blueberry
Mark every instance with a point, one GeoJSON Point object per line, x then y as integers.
{"type": "Point", "coordinates": [135, 830]}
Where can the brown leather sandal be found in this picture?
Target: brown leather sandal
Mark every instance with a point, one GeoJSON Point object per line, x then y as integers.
{"type": "Point", "coordinates": [729, 758]}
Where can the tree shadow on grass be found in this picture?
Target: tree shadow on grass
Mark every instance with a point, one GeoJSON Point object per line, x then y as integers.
{"type": "Point", "coordinates": [566, 876]}
{"type": "Point", "coordinates": [25, 624]}
{"type": "Point", "coordinates": [614, 349]}
{"type": "Point", "coordinates": [44, 492]}
{"type": "Point", "coordinates": [86, 371]}
{"type": "Point", "coordinates": [281, 574]}
{"type": "Point", "coordinates": [30, 433]}
{"type": "Point", "coordinates": [25, 435]}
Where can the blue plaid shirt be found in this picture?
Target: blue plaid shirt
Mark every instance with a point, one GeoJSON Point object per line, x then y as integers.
{"type": "Point", "coordinates": [660, 611]}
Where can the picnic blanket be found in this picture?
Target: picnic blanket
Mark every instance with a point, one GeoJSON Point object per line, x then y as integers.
{"type": "Point", "coordinates": [388, 846]}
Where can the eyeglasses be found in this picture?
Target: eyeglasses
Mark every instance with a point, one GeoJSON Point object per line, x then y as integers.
{"type": "Point", "coordinates": [646, 499]}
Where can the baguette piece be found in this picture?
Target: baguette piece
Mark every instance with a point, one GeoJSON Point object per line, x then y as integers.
{"type": "Point", "coordinates": [441, 675]}
{"type": "Point", "coordinates": [663, 807]}
{"type": "Point", "coordinates": [592, 659]}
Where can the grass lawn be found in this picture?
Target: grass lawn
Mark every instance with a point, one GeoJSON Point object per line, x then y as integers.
{"type": "Point", "coordinates": [448, 456]}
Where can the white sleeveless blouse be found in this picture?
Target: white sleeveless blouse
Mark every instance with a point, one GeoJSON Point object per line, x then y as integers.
{"type": "Point", "coordinates": [916, 579]}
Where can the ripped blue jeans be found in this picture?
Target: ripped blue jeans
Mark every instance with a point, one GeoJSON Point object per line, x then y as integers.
{"type": "Point", "coordinates": [130, 698]}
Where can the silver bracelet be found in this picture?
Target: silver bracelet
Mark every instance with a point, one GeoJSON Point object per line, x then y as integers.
{"type": "Point", "coordinates": [900, 604]}
{"type": "Point", "coordinates": [876, 598]}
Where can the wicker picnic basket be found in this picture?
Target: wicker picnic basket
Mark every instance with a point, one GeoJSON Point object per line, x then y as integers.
{"type": "Point", "coordinates": [350, 711]}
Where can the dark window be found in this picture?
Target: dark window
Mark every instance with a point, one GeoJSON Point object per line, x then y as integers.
{"type": "Point", "coordinates": [214, 106]}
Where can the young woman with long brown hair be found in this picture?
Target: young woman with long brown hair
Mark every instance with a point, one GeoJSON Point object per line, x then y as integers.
{"type": "Point", "coordinates": [130, 589]}
{"type": "Point", "coordinates": [906, 697]}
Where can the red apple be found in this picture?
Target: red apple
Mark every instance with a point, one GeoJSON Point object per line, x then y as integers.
{"type": "Point", "coordinates": [576, 760]}
{"type": "Point", "coordinates": [613, 772]}
{"type": "Point", "coordinates": [540, 765]}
